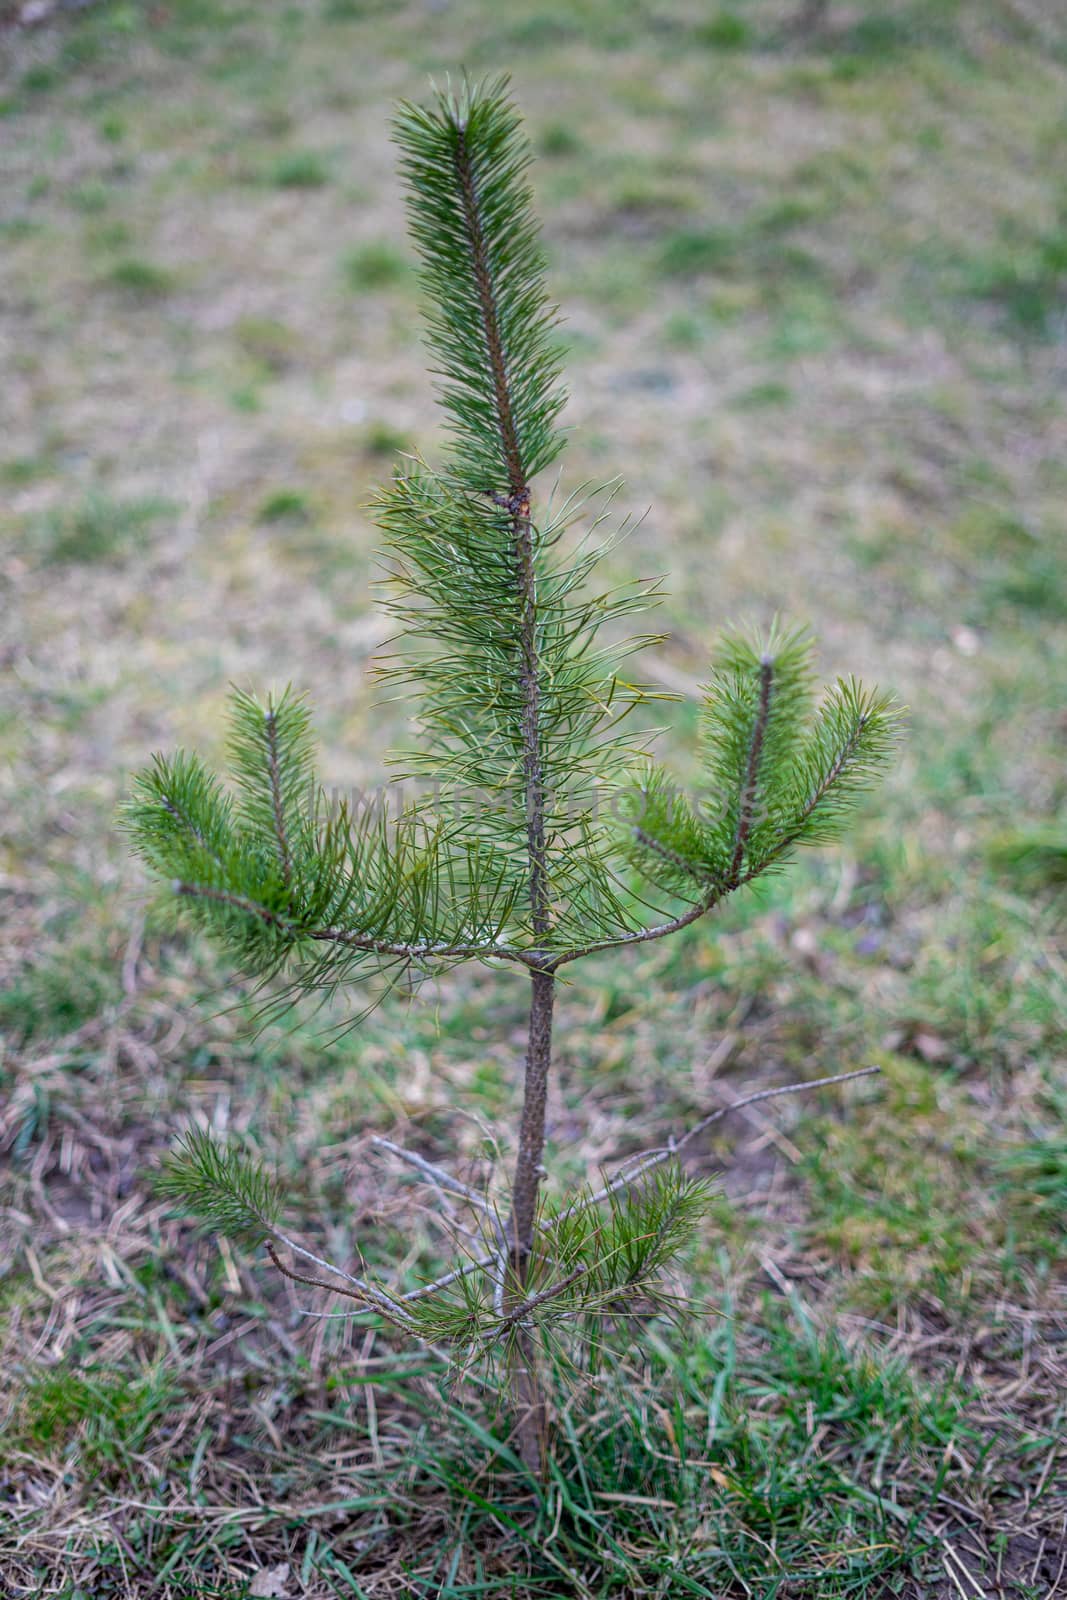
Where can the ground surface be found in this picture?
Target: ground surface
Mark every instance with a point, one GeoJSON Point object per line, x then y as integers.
{"type": "Point", "coordinates": [813, 263]}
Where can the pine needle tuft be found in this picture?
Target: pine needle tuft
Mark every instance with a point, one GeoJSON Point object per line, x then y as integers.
{"type": "Point", "coordinates": [224, 1188]}
{"type": "Point", "coordinates": [490, 325]}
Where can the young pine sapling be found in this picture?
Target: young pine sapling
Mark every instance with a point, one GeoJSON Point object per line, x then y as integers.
{"type": "Point", "coordinates": [551, 836]}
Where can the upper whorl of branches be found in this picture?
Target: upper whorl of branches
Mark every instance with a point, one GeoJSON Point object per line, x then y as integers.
{"type": "Point", "coordinates": [293, 883]}
{"type": "Point", "coordinates": [777, 776]}
{"type": "Point", "coordinates": [490, 324]}
{"type": "Point", "coordinates": [518, 695]}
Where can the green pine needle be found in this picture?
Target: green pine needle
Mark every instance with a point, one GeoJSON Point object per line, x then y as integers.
{"type": "Point", "coordinates": [778, 776]}
{"type": "Point", "coordinates": [626, 1244]}
{"type": "Point", "coordinates": [271, 755]}
{"type": "Point", "coordinates": [225, 1189]}
{"type": "Point", "coordinates": [489, 320]}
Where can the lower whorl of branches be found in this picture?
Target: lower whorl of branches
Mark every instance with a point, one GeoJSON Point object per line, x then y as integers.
{"type": "Point", "coordinates": [589, 1257]}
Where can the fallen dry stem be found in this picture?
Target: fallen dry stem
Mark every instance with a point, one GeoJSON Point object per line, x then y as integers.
{"type": "Point", "coordinates": [655, 1158]}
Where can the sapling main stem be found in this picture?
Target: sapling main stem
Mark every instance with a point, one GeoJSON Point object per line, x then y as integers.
{"type": "Point", "coordinates": [520, 700]}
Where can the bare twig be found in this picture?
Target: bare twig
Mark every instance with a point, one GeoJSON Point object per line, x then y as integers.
{"type": "Point", "coordinates": [373, 1299]}
{"type": "Point", "coordinates": [643, 935]}
{"type": "Point", "coordinates": [465, 1271]}
{"type": "Point", "coordinates": [309, 1255]}
{"type": "Point", "coordinates": [403, 951]}
{"type": "Point", "coordinates": [655, 1158]}
{"type": "Point", "coordinates": [436, 1175]}
{"type": "Point", "coordinates": [418, 952]}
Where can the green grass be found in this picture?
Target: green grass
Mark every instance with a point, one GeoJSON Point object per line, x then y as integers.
{"type": "Point", "coordinates": [268, 342]}
{"type": "Point", "coordinates": [1034, 857]}
{"type": "Point", "coordinates": [1027, 282]}
{"type": "Point", "coordinates": [378, 264]}
{"type": "Point", "coordinates": [56, 995]}
{"type": "Point", "coordinates": [300, 169]}
{"type": "Point", "coordinates": [558, 140]}
{"type": "Point", "coordinates": [91, 197]}
{"type": "Point", "coordinates": [99, 1417]}
{"type": "Point", "coordinates": [284, 505]}
{"type": "Point", "coordinates": [692, 251]}
{"type": "Point", "coordinates": [382, 440]}
{"type": "Point", "coordinates": [140, 280]}
{"type": "Point", "coordinates": [727, 1473]}
{"type": "Point", "coordinates": [747, 1462]}
{"type": "Point", "coordinates": [99, 530]}
{"type": "Point", "coordinates": [40, 79]}
{"type": "Point", "coordinates": [727, 30]}
{"type": "Point", "coordinates": [108, 237]}
{"type": "Point", "coordinates": [25, 469]}
{"type": "Point", "coordinates": [1034, 1182]}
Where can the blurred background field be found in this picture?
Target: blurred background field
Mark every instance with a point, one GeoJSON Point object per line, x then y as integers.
{"type": "Point", "coordinates": [812, 261]}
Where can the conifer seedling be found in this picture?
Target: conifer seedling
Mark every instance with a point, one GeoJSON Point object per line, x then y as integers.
{"type": "Point", "coordinates": [551, 836]}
